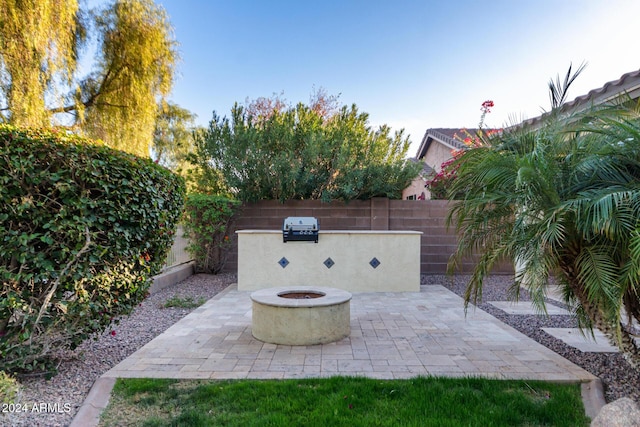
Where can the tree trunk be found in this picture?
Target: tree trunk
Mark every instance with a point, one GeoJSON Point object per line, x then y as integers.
{"type": "Point", "coordinates": [625, 342]}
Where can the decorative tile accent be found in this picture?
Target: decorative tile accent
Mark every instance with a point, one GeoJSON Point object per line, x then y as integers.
{"type": "Point", "coordinates": [328, 262]}
{"type": "Point", "coordinates": [374, 262]}
{"type": "Point", "coordinates": [283, 262]}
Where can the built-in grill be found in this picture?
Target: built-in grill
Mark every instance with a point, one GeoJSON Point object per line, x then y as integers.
{"type": "Point", "coordinates": [300, 229]}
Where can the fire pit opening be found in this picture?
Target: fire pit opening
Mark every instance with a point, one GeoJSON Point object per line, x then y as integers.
{"type": "Point", "coordinates": [301, 294]}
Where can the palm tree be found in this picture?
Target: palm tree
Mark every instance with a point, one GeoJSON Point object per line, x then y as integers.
{"type": "Point", "coordinates": [563, 202]}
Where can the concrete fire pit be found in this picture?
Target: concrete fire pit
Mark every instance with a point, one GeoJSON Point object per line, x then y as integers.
{"type": "Point", "coordinates": [301, 315]}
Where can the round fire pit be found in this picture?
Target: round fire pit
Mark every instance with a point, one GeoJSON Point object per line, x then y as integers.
{"type": "Point", "coordinates": [302, 315]}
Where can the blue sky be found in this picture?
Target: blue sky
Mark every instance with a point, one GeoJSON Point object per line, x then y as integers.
{"type": "Point", "coordinates": [409, 64]}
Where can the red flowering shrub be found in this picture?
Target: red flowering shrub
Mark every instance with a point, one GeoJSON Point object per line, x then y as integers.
{"type": "Point", "coordinates": [439, 184]}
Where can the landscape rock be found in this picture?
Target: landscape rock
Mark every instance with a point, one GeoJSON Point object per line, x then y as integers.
{"type": "Point", "coordinates": [623, 412]}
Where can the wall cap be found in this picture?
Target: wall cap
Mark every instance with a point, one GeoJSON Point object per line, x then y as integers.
{"type": "Point", "coordinates": [334, 232]}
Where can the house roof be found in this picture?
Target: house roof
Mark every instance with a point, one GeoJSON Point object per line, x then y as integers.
{"type": "Point", "coordinates": [426, 169]}
{"type": "Point", "coordinates": [445, 136]}
{"type": "Point", "coordinates": [628, 84]}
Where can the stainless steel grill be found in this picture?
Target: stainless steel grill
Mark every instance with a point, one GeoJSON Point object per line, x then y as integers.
{"type": "Point", "coordinates": [300, 229]}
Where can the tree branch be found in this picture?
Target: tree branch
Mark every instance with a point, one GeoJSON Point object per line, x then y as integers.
{"type": "Point", "coordinates": [56, 282]}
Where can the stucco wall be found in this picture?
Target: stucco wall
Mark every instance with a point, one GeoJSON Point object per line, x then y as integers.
{"type": "Point", "coordinates": [436, 155]}
{"type": "Point", "coordinates": [354, 261]}
{"type": "Point", "coordinates": [428, 216]}
{"type": "Point", "coordinates": [415, 189]}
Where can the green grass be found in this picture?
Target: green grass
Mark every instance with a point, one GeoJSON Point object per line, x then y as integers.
{"type": "Point", "coordinates": [344, 401]}
{"type": "Point", "coordinates": [180, 302]}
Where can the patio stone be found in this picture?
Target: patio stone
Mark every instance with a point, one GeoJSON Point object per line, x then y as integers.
{"type": "Point", "coordinates": [574, 338]}
{"type": "Point", "coordinates": [393, 335]}
{"type": "Point", "coordinates": [527, 308]}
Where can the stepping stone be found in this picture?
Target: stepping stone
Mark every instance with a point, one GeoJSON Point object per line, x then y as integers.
{"type": "Point", "coordinates": [527, 308]}
{"type": "Point", "coordinates": [554, 292]}
{"type": "Point", "coordinates": [574, 338]}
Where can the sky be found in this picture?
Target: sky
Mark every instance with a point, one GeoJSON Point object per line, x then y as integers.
{"type": "Point", "coordinates": [410, 64]}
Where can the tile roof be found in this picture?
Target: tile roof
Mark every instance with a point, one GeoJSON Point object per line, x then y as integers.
{"type": "Point", "coordinates": [628, 83]}
{"type": "Point", "coordinates": [446, 136]}
{"type": "Point", "coordinates": [426, 169]}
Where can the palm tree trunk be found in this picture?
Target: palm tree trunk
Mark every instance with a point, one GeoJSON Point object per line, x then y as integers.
{"type": "Point", "coordinates": [625, 342]}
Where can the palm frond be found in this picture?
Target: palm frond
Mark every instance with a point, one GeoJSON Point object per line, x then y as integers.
{"type": "Point", "coordinates": [554, 229]}
{"type": "Point", "coordinates": [630, 278]}
{"type": "Point", "coordinates": [558, 90]}
{"type": "Point", "coordinates": [599, 274]}
{"type": "Point", "coordinates": [484, 265]}
{"type": "Point", "coordinates": [611, 212]}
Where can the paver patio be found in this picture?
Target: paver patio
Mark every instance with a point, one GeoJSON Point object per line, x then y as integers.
{"type": "Point", "coordinates": [393, 335]}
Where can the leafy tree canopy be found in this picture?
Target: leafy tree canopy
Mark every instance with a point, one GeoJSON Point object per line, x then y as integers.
{"type": "Point", "coordinates": [172, 137]}
{"type": "Point", "coordinates": [116, 101]}
{"type": "Point", "coordinates": [173, 146]}
{"type": "Point", "coordinates": [269, 150]}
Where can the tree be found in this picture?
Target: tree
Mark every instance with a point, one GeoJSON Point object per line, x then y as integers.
{"type": "Point", "coordinates": [174, 145]}
{"type": "Point", "coordinates": [563, 202]}
{"type": "Point", "coordinates": [116, 102]}
{"type": "Point", "coordinates": [39, 43]}
{"type": "Point", "coordinates": [320, 102]}
{"type": "Point", "coordinates": [305, 152]}
{"type": "Point", "coordinates": [172, 137]}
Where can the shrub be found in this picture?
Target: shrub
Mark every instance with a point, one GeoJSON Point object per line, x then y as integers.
{"type": "Point", "coordinates": [208, 222]}
{"type": "Point", "coordinates": [9, 389]}
{"type": "Point", "coordinates": [299, 153]}
{"type": "Point", "coordinates": [440, 182]}
{"type": "Point", "coordinates": [83, 229]}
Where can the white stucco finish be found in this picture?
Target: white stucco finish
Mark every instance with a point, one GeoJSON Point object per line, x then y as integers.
{"type": "Point", "coordinates": [398, 252]}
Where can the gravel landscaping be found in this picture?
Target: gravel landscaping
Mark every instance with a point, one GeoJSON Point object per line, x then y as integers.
{"type": "Point", "coordinates": [79, 369]}
{"type": "Point", "coordinates": [618, 377]}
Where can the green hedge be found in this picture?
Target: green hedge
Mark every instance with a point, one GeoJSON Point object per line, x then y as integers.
{"type": "Point", "coordinates": [82, 229]}
{"type": "Point", "coordinates": [209, 220]}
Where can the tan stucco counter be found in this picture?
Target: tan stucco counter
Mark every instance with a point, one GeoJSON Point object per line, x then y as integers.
{"type": "Point", "coordinates": [355, 261]}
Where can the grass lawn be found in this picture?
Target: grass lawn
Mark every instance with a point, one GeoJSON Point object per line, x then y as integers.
{"type": "Point", "coordinates": [344, 401]}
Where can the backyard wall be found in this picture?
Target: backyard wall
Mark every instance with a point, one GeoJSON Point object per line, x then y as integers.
{"type": "Point", "coordinates": [427, 216]}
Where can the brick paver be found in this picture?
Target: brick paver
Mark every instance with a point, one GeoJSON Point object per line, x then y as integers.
{"type": "Point", "coordinates": [393, 335]}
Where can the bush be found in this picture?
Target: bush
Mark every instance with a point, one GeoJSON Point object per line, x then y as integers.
{"type": "Point", "coordinates": [83, 228]}
{"type": "Point", "coordinates": [300, 154]}
{"type": "Point", "coordinates": [208, 221]}
{"type": "Point", "coordinates": [440, 182]}
{"type": "Point", "coordinates": [9, 389]}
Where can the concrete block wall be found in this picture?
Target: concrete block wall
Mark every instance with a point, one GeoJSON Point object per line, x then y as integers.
{"type": "Point", "coordinates": [269, 215]}
{"type": "Point", "coordinates": [427, 216]}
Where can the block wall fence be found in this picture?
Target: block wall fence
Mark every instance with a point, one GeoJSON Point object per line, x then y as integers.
{"type": "Point", "coordinates": [427, 216]}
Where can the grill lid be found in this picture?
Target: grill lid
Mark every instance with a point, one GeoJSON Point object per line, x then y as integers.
{"type": "Point", "coordinates": [300, 228]}
{"type": "Point", "coordinates": [300, 223]}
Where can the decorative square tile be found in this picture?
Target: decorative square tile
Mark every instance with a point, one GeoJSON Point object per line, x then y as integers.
{"type": "Point", "coordinates": [283, 262]}
{"type": "Point", "coordinates": [328, 262]}
{"type": "Point", "coordinates": [374, 262]}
